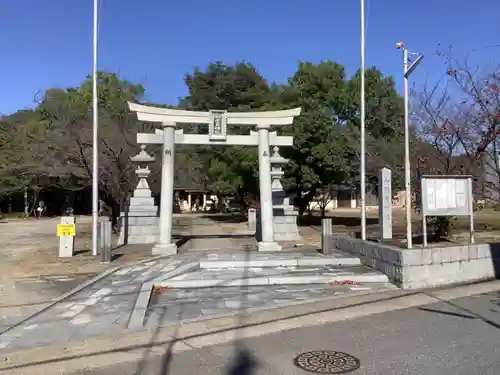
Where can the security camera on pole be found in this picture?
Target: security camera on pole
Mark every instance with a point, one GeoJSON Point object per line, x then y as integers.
{"type": "Point", "coordinates": [408, 68]}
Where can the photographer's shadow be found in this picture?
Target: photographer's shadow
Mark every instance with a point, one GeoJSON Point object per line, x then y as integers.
{"type": "Point", "coordinates": [243, 363]}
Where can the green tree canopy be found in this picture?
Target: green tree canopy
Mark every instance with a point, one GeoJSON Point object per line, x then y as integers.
{"type": "Point", "coordinates": [67, 120]}
{"type": "Point", "coordinates": [320, 149]}
{"type": "Point", "coordinates": [229, 169]}
{"type": "Point", "coordinates": [53, 143]}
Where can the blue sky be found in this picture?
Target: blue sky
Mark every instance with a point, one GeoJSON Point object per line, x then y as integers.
{"type": "Point", "coordinates": [48, 43]}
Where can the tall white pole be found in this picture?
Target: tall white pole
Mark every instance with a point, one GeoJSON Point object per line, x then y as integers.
{"type": "Point", "coordinates": [95, 140]}
{"type": "Point", "coordinates": [363, 115]}
{"type": "Point", "coordinates": [407, 154]}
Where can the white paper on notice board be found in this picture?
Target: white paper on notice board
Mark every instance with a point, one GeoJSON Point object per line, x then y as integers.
{"type": "Point", "coordinates": [431, 199]}
{"type": "Point", "coordinates": [460, 186]}
{"type": "Point", "coordinates": [441, 192]}
{"type": "Point", "coordinates": [450, 194]}
{"type": "Point", "coordinates": [461, 191]}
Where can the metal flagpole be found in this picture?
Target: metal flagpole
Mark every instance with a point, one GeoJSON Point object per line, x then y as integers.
{"type": "Point", "coordinates": [95, 140]}
{"type": "Point", "coordinates": [362, 116]}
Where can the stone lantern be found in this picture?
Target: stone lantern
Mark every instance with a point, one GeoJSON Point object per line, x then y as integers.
{"type": "Point", "coordinates": [284, 214]}
{"type": "Point", "coordinates": [142, 190]}
{"type": "Point", "coordinates": [140, 224]}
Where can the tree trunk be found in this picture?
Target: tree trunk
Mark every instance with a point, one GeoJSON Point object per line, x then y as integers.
{"type": "Point", "coordinates": [26, 205]}
{"type": "Point", "coordinates": [303, 201]}
{"type": "Point", "coordinates": [220, 204]}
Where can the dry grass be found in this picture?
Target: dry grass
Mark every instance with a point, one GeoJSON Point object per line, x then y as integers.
{"type": "Point", "coordinates": [486, 225]}
{"type": "Point", "coordinates": [347, 221]}
{"type": "Point", "coordinates": [30, 248]}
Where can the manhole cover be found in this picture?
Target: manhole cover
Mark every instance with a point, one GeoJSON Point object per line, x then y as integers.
{"type": "Point", "coordinates": [327, 362]}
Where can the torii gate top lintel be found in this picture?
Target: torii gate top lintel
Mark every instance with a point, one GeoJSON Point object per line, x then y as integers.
{"type": "Point", "coordinates": [167, 115]}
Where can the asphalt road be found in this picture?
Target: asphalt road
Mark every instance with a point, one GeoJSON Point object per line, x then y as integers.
{"type": "Point", "coordinates": [457, 337]}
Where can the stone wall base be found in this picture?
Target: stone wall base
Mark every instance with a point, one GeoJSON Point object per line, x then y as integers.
{"type": "Point", "coordinates": [426, 267]}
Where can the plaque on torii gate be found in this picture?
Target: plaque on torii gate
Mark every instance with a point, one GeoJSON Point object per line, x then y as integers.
{"type": "Point", "coordinates": [217, 122]}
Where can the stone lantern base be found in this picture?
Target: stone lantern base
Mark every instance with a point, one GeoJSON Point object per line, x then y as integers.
{"type": "Point", "coordinates": [284, 214]}
{"type": "Point", "coordinates": [139, 226]}
{"type": "Point", "coordinates": [285, 224]}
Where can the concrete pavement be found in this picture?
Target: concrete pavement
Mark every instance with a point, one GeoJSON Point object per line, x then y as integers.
{"type": "Point", "coordinates": [438, 339]}
{"type": "Point", "coordinates": [452, 331]}
{"type": "Point", "coordinates": [45, 288]}
{"type": "Point", "coordinates": [112, 304]}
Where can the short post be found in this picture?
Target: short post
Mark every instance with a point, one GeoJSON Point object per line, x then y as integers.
{"type": "Point", "coordinates": [66, 232]}
{"type": "Point", "coordinates": [105, 234]}
{"type": "Point", "coordinates": [252, 219]}
{"type": "Point", "coordinates": [109, 232]}
{"type": "Point", "coordinates": [326, 236]}
{"type": "Point", "coordinates": [102, 238]}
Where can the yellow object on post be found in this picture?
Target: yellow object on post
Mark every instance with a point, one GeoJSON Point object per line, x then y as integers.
{"type": "Point", "coordinates": [66, 230]}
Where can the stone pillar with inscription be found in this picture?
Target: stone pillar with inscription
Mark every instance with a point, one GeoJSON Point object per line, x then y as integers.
{"type": "Point", "coordinates": [284, 214]}
{"type": "Point", "coordinates": [139, 224]}
{"type": "Point", "coordinates": [385, 204]}
{"type": "Point", "coordinates": [165, 246]}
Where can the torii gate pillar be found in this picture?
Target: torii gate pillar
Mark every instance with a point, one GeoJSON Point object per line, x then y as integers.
{"type": "Point", "coordinates": [267, 242]}
{"type": "Point", "coordinates": [165, 246]}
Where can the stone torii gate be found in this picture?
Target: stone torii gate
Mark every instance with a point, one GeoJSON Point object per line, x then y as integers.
{"type": "Point", "coordinates": [217, 122]}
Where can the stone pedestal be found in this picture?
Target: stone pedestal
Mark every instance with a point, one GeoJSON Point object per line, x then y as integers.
{"type": "Point", "coordinates": [268, 247]}
{"type": "Point", "coordinates": [285, 224]}
{"type": "Point", "coordinates": [284, 214]}
{"type": "Point", "coordinates": [140, 224]}
{"type": "Point", "coordinates": [139, 227]}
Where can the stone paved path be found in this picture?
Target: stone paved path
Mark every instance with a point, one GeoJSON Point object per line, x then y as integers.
{"type": "Point", "coordinates": [208, 234]}
{"type": "Point", "coordinates": [184, 305]}
{"type": "Point", "coordinates": [247, 273]}
{"type": "Point", "coordinates": [105, 307]}
{"type": "Point", "coordinates": [101, 308]}
{"type": "Point", "coordinates": [282, 275]}
{"type": "Point", "coordinates": [46, 288]}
